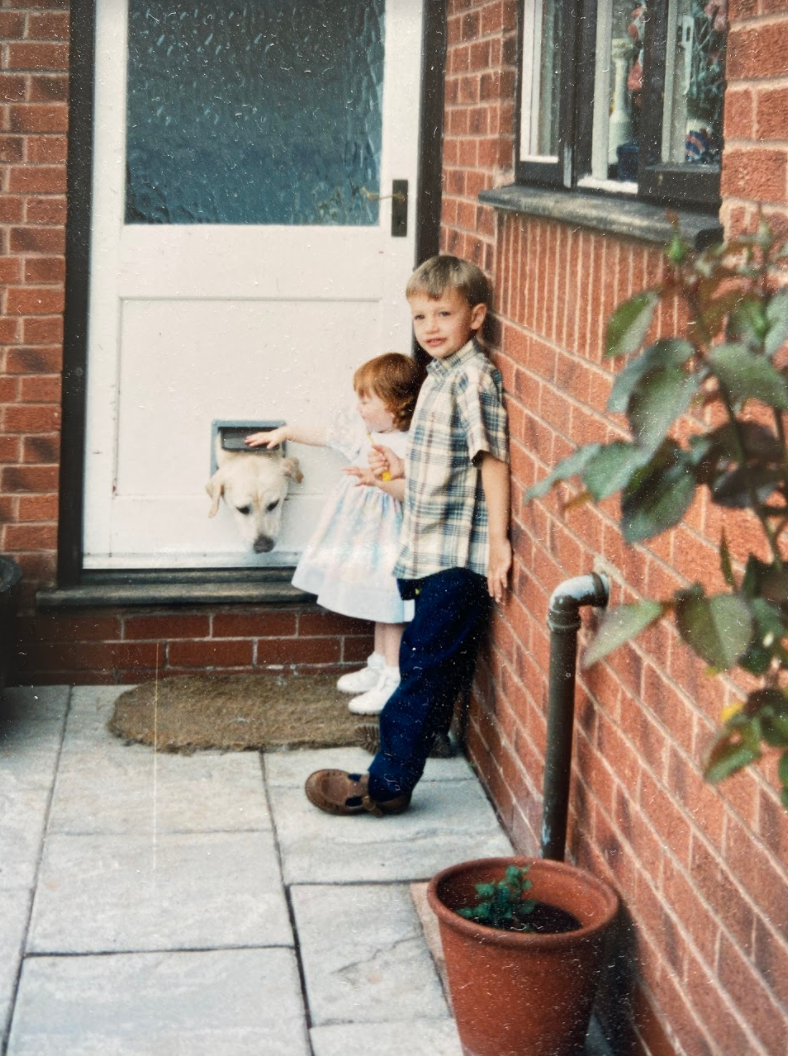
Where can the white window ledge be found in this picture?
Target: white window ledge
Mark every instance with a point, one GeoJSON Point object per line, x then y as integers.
{"type": "Point", "coordinates": [614, 216]}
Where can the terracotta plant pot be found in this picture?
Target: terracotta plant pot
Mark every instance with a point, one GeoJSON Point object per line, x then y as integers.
{"type": "Point", "coordinates": [516, 993]}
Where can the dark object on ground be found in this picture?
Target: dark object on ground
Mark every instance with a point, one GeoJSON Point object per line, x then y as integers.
{"type": "Point", "coordinates": [236, 713]}
{"type": "Point", "coordinates": [10, 576]}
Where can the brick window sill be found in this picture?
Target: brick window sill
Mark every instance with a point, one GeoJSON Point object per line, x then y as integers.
{"type": "Point", "coordinates": [614, 216]}
{"type": "Point", "coordinates": [199, 587]}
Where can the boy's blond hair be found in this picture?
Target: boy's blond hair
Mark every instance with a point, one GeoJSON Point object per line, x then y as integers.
{"type": "Point", "coordinates": [395, 379]}
{"type": "Point", "coordinates": [445, 272]}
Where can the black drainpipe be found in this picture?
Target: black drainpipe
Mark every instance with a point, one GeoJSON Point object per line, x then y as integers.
{"type": "Point", "coordinates": [563, 619]}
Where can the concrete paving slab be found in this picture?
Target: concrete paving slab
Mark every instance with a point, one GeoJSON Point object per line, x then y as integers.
{"type": "Point", "coordinates": [179, 891]}
{"type": "Point", "coordinates": [14, 912]}
{"type": "Point", "coordinates": [211, 1003]}
{"type": "Point", "coordinates": [90, 711]}
{"type": "Point", "coordinates": [363, 955]}
{"type": "Point", "coordinates": [293, 768]}
{"type": "Point", "coordinates": [448, 821]}
{"type": "Point", "coordinates": [31, 731]}
{"type": "Point", "coordinates": [23, 812]}
{"type": "Point", "coordinates": [134, 791]}
{"type": "Point", "coordinates": [417, 1037]}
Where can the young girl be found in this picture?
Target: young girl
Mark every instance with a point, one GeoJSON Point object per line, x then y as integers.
{"type": "Point", "coordinates": [349, 559]}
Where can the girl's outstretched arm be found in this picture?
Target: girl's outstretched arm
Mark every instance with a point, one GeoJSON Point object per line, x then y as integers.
{"type": "Point", "coordinates": [383, 460]}
{"type": "Point", "coordinates": [315, 436]}
{"type": "Point", "coordinates": [395, 488]}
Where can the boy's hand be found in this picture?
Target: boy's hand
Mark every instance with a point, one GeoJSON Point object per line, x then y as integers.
{"type": "Point", "coordinates": [498, 568]}
{"type": "Point", "coordinates": [383, 460]}
{"type": "Point", "coordinates": [269, 438]}
{"type": "Point", "coordinates": [365, 476]}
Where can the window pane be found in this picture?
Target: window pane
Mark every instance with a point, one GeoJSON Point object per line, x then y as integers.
{"type": "Point", "coordinates": [541, 81]}
{"type": "Point", "coordinates": [618, 83]}
{"type": "Point", "coordinates": [254, 111]}
{"type": "Point", "coordinates": [695, 82]}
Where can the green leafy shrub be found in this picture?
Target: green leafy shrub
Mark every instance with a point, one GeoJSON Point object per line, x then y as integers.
{"type": "Point", "coordinates": [726, 359]}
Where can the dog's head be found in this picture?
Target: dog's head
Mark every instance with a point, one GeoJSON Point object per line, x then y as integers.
{"type": "Point", "coordinates": [254, 486]}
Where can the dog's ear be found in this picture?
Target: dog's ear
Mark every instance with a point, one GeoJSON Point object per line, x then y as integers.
{"type": "Point", "coordinates": [292, 469]}
{"type": "Point", "coordinates": [215, 488]}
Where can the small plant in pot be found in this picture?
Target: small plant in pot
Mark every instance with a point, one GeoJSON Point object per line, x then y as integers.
{"type": "Point", "coordinates": [523, 940]}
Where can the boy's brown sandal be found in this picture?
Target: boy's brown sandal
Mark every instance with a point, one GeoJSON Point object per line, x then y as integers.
{"type": "Point", "coordinates": [337, 792]}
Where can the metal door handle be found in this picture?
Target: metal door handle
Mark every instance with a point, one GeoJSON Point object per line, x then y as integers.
{"type": "Point", "coordinates": [399, 208]}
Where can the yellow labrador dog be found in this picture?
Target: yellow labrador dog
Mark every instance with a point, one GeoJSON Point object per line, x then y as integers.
{"type": "Point", "coordinates": [254, 487]}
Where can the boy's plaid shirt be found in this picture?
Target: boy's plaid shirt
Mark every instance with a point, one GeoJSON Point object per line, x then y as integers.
{"type": "Point", "coordinates": [458, 415]}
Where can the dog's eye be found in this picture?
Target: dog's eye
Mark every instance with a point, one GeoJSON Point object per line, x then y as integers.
{"type": "Point", "coordinates": [245, 510]}
{"type": "Point", "coordinates": [272, 505]}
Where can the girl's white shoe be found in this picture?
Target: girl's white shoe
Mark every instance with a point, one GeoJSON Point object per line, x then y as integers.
{"type": "Point", "coordinates": [373, 701]}
{"type": "Point", "coordinates": [367, 678]}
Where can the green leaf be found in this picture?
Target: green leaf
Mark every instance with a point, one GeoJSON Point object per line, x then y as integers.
{"type": "Point", "coordinates": [726, 757]}
{"type": "Point", "coordinates": [768, 620]}
{"type": "Point", "coordinates": [566, 468]}
{"type": "Point", "coordinates": [757, 441]}
{"type": "Point", "coordinates": [768, 631]}
{"type": "Point", "coordinates": [773, 584]}
{"type": "Point", "coordinates": [746, 376]}
{"type": "Point", "coordinates": [774, 729]}
{"type": "Point", "coordinates": [629, 324]}
{"type": "Point", "coordinates": [734, 489]}
{"type": "Point", "coordinates": [678, 250]}
{"type": "Point", "coordinates": [725, 562]}
{"type": "Point", "coordinates": [661, 498]}
{"type": "Point", "coordinates": [663, 354]}
{"type": "Point", "coordinates": [611, 468]}
{"type": "Point", "coordinates": [516, 875]}
{"type": "Point", "coordinates": [717, 628]}
{"type": "Point", "coordinates": [619, 625]}
{"type": "Point", "coordinates": [661, 397]}
{"type": "Point", "coordinates": [777, 319]}
{"type": "Point", "coordinates": [756, 574]}
{"type": "Point", "coordinates": [747, 322]}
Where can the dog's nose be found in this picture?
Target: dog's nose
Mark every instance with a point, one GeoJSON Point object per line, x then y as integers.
{"type": "Point", "coordinates": [263, 544]}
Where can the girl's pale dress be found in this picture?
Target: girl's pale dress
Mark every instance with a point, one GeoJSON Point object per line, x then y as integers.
{"type": "Point", "coordinates": [348, 560]}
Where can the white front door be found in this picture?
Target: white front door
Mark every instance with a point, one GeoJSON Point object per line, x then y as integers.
{"type": "Point", "coordinates": [243, 256]}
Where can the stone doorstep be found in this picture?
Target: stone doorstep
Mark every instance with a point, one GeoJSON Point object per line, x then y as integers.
{"type": "Point", "coordinates": [429, 925]}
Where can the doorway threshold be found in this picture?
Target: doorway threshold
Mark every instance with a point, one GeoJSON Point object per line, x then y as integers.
{"type": "Point", "coordinates": [177, 587]}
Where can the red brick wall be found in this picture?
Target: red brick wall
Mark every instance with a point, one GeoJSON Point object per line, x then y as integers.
{"type": "Point", "coordinates": [755, 167]}
{"type": "Point", "coordinates": [131, 645]}
{"type": "Point", "coordinates": [97, 646]}
{"type": "Point", "coordinates": [703, 956]}
{"type": "Point", "coordinates": [33, 127]}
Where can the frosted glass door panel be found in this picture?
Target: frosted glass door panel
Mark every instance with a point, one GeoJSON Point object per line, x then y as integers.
{"type": "Point", "coordinates": [257, 112]}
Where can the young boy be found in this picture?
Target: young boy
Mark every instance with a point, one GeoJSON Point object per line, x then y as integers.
{"type": "Point", "coordinates": [455, 553]}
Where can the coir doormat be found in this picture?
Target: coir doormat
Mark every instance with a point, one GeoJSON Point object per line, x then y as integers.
{"type": "Point", "coordinates": [236, 713]}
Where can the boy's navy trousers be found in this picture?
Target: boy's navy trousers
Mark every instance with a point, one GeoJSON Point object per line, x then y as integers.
{"type": "Point", "coordinates": [436, 663]}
